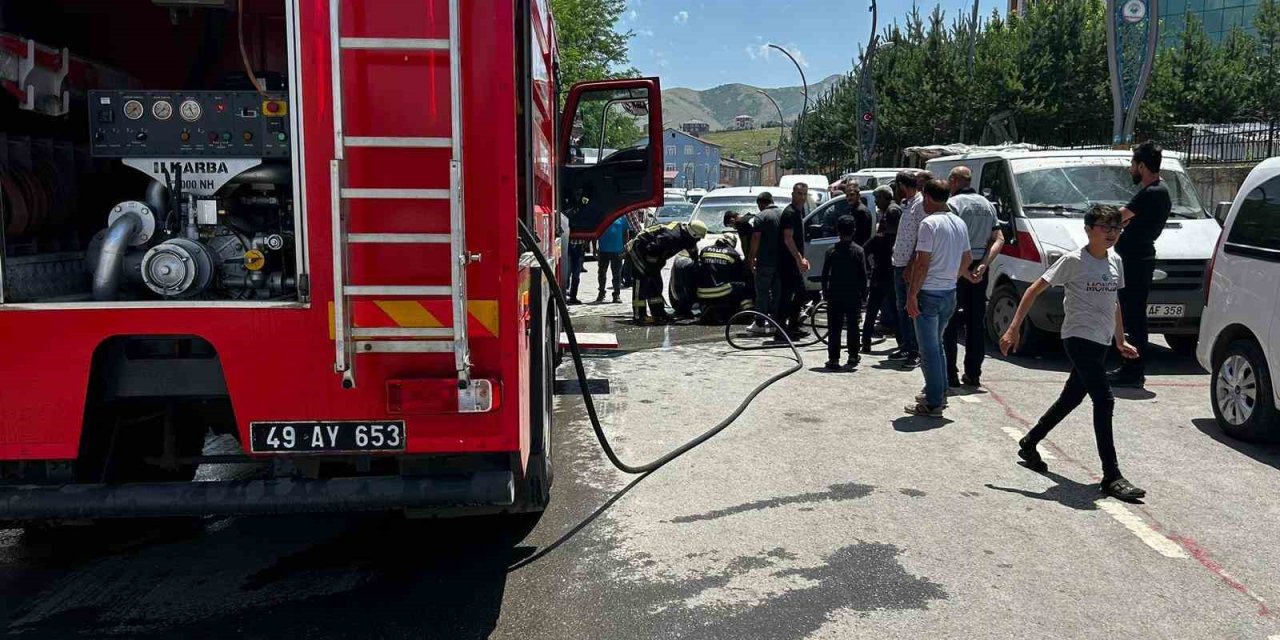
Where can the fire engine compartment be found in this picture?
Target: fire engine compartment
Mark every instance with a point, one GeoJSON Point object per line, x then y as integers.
{"type": "Point", "coordinates": [139, 159]}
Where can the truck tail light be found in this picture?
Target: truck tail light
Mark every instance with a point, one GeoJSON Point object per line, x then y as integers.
{"type": "Point", "coordinates": [438, 396]}
{"type": "Point", "coordinates": [1208, 272]}
{"type": "Point", "coordinates": [1023, 249]}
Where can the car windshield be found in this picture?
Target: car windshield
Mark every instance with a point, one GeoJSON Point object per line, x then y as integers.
{"type": "Point", "coordinates": [711, 210]}
{"type": "Point", "coordinates": [1070, 190]}
{"type": "Point", "coordinates": [679, 211]}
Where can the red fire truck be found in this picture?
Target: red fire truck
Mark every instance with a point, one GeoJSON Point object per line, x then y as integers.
{"type": "Point", "coordinates": [291, 225]}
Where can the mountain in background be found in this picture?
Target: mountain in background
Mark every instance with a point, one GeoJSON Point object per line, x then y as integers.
{"type": "Point", "coordinates": [718, 106]}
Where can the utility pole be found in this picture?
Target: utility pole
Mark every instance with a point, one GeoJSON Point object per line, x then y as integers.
{"type": "Point", "coordinates": [973, 54]}
{"type": "Point", "coordinates": [867, 96]}
{"type": "Point", "coordinates": [800, 120]}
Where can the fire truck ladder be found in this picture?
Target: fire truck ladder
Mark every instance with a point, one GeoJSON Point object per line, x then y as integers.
{"type": "Point", "coordinates": [349, 340]}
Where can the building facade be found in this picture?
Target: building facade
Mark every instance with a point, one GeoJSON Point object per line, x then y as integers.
{"type": "Point", "coordinates": [1217, 16]}
{"type": "Point", "coordinates": [695, 127]}
{"type": "Point", "coordinates": [770, 170]}
{"type": "Point", "coordinates": [694, 161]}
{"type": "Point", "coordinates": [736, 173]}
{"type": "Point", "coordinates": [744, 122]}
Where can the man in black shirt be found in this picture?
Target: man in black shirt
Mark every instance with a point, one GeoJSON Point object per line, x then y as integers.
{"type": "Point", "coordinates": [853, 206]}
{"type": "Point", "coordinates": [762, 258]}
{"type": "Point", "coordinates": [844, 286]}
{"type": "Point", "coordinates": [879, 251]}
{"type": "Point", "coordinates": [792, 265]}
{"type": "Point", "coordinates": [1144, 219]}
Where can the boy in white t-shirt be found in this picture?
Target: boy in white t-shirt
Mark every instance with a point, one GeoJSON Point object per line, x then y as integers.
{"type": "Point", "coordinates": [1091, 277]}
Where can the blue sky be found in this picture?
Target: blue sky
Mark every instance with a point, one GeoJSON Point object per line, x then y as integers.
{"type": "Point", "coordinates": [704, 43]}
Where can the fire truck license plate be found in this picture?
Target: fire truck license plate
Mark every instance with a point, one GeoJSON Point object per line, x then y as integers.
{"type": "Point", "coordinates": [326, 437]}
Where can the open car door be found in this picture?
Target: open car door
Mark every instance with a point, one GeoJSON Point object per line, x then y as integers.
{"type": "Point", "coordinates": [611, 152]}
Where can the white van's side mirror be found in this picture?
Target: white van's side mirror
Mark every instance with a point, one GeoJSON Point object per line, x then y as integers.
{"type": "Point", "coordinates": [1220, 212]}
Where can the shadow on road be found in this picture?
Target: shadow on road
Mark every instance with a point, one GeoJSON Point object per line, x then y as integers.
{"type": "Point", "coordinates": [1065, 491]}
{"type": "Point", "coordinates": [919, 424]}
{"type": "Point", "coordinates": [1160, 361]}
{"type": "Point", "coordinates": [1268, 453]}
{"type": "Point", "coordinates": [309, 577]}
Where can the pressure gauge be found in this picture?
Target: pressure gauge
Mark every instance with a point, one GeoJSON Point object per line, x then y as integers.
{"type": "Point", "coordinates": [190, 110]}
{"type": "Point", "coordinates": [162, 110]}
{"type": "Point", "coordinates": [133, 110]}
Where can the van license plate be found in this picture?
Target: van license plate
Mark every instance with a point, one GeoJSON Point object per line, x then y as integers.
{"type": "Point", "coordinates": [1166, 310]}
{"type": "Point", "coordinates": [326, 437]}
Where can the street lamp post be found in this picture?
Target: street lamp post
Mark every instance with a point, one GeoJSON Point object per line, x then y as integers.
{"type": "Point", "coordinates": [782, 125]}
{"type": "Point", "coordinates": [800, 120]}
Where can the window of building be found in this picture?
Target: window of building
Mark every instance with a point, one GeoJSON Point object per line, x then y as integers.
{"type": "Point", "coordinates": [671, 150]}
{"type": "Point", "coordinates": [1258, 221]}
{"type": "Point", "coordinates": [671, 166]}
{"type": "Point", "coordinates": [688, 150]}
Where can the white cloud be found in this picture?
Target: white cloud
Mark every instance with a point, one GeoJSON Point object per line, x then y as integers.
{"type": "Point", "coordinates": [645, 33]}
{"type": "Point", "coordinates": [632, 15]}
{"type": "Point", "coordinates": [764, 51]}
{"type": "Point", "coordinates": [681, 17]}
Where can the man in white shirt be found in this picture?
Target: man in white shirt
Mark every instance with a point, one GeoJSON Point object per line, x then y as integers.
{"type": "Point", "coordinates": [907, 184]}
{"type": "Point", "coordinates": [942, 252]}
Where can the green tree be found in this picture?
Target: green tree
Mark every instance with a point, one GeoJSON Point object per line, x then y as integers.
{"type": "Point", "coordinates": [1267, 23]}
{"type": "Point", "coordinates": [590, 48]}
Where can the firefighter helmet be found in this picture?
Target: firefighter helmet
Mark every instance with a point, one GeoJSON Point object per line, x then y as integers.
{"type": "Point", "coordinates": [728, 240]}
{"type": "Point", "coordinates": [698, 229]}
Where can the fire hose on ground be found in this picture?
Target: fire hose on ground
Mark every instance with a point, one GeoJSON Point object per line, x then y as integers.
{"type": "Point", "coordinates": [642, 470]}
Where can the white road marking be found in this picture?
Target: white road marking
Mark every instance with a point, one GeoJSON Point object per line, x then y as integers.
{"type": "Point", "coordinates": [1140, 528]}
{"type": "Point", "coordinates": [969, 399]}
{"type": "Point", "coordinates": [1017, 436]}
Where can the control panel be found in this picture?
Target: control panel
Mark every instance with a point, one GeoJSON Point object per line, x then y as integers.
{"type": "Point", "coordinates": [174, 124]}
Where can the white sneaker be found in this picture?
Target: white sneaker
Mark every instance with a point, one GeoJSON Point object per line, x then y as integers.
{"type": "Point", "coordinates": [761, 329]}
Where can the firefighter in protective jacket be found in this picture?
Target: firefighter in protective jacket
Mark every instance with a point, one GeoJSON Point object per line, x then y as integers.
{"type": "Point", "coordinates": [647, 253]}
{"type": "Point", "coordinates": [722, 282]}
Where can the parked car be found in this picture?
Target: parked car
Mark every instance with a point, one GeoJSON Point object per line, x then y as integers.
{"type": "Point", "coordinates": [671, 212]}
{"type": "Point", "coordinates": [1041, 198]}
{"type": "Point", "coordinates": [670, 196]}
{"type": "Point", "coordinates": [819, 237]}
{"type": "Point", "coordinates": [818, 187]}
{"type": "Point", "coordinates": [694, 195]}
{"type": "Point", "coordinates": [1239, 334]}
{"type": "Point", "coordinates": [712, 207]}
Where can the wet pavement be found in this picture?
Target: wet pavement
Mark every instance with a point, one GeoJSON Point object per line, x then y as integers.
{"type": "Point", "coordinates": [824, 512]}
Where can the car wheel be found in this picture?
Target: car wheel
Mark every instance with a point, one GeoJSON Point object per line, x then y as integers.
{"type": "Point", "coordinates": [1241, 393]}
{"type": "Point", "coordinates": [1000, 311]}
{"type": "Point", "coordinates": [1183, 345]}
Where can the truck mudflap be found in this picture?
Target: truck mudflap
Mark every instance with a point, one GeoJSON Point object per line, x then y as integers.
{"type": "Point", "coordinates": [256, 497]}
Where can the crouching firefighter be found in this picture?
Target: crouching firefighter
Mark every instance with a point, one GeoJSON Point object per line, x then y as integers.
{"type": "Point", "coordinates": [647, 253]}
{"type": "Point", "coordinates": [722, 282]}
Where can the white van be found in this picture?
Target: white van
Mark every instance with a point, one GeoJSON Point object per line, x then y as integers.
{"type": "Point", "coordinates": [1042, 197]}
{"type": "Point", "coordinates": [1239, 334]}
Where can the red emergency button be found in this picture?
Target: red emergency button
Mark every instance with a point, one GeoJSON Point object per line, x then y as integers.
{"type": "Point", "coordinates": [275, 108]}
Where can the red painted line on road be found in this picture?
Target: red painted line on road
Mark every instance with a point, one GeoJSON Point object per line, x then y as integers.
{"type": "Point", "coordinates": [1203, 556]}
{"type": "Point", "coordinates": [1192, 547]}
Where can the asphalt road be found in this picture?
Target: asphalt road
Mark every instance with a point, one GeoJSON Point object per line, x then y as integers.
{"type": "Point", "coordinates": [823, 512]}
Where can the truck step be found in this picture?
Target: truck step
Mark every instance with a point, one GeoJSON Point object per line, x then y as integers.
{"type": "Point", "coordinates": [396, 194]}
{"type": "Point", "coordinates": [398, 238]}
{"type": "Point", "coordinates": [395, 290]}
{"type": "Point", "coordinates": [405, 346]}
{"type": "Point", "coordinates": [401, 332]}
{"type": "Point", "coordinates": [398, 142]}
{"type": "Point", "coordinates": [395, 44]}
